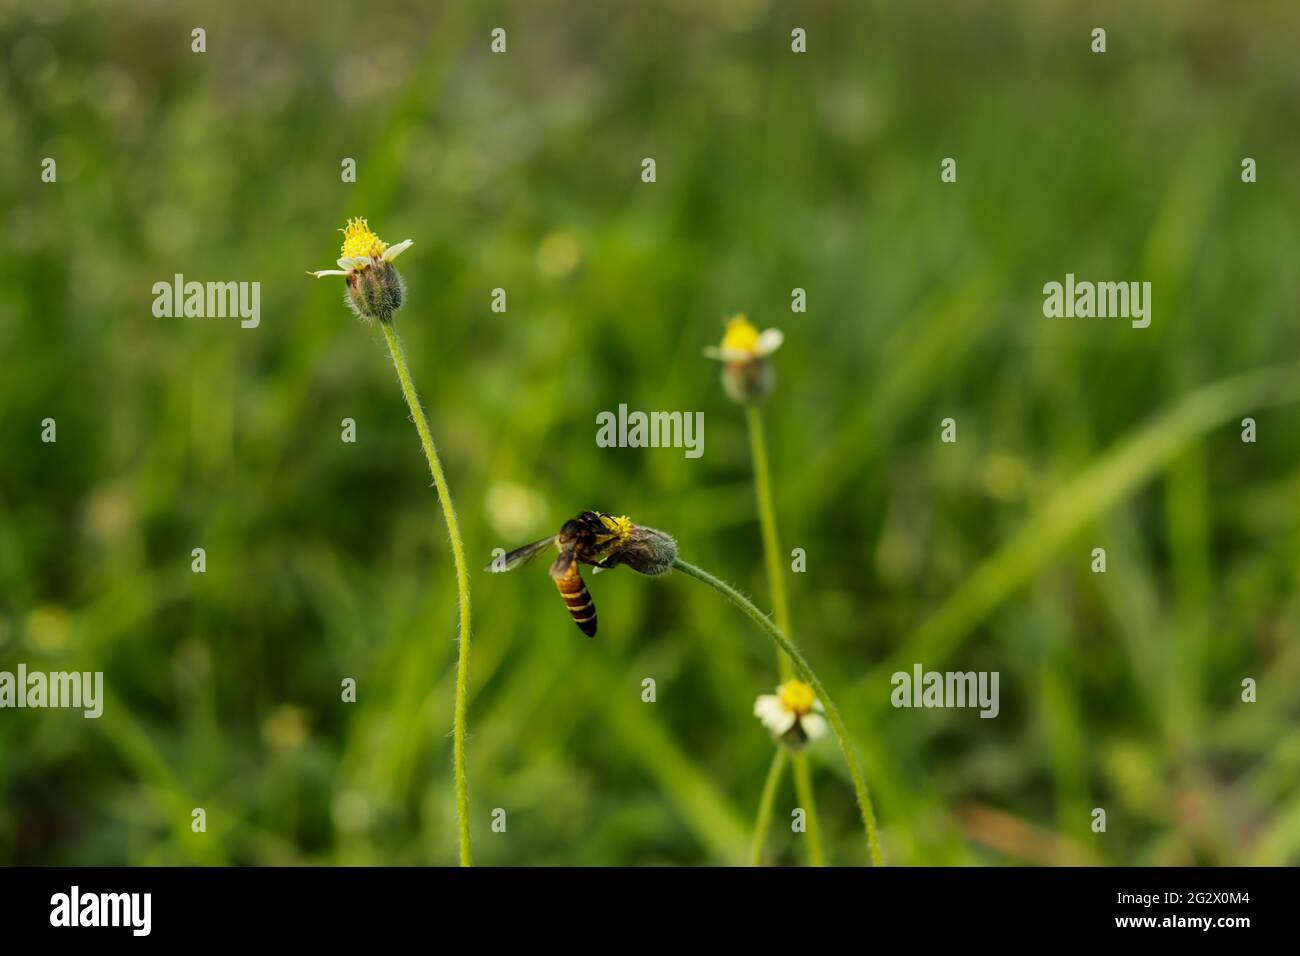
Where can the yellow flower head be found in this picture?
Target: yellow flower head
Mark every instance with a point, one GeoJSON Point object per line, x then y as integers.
{"type": "Point", "coordinates": [359, 240]}
{"type": "Point", "coordinates": [797, 697]}
{"type": "Point", "coordinates": [362, 249]}
{"type": "Point", "coordinates": [793, 714]}
{"type": "Point", "coordinates": [620, 525]}
{"type": "Point", "coordinates": [743, 343]}
{"type": "Point", "coordinates": [741, 336]}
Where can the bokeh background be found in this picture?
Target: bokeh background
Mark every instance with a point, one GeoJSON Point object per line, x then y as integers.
{"type": "Point", "coordinates": [328, 560]}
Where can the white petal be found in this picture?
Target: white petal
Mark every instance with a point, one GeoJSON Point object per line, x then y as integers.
{"type": "Point", "coordinates": [392, 252]}
{"type": "Point", "coordinates": [327, 272]}
{"type": "Point", "coordinates": [769, 342]}
{"type": "Point", "coordinates": [774, 716]}
{"type": "Point", "coordinates": [782, 722]}
{"type": "Point", "coordinates": [713, 352]}
{"type": "Point", "coordinates": [813, 725]}
{"type": "Point", "coordinates": [353, 263]}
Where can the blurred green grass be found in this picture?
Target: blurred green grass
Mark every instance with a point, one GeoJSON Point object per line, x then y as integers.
{"type": "Point", "coordinates": [328, 560]}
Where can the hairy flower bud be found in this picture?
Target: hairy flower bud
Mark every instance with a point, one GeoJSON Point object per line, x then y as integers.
{"type": "Point", "coordinates": [376, 291]}
{"type": "Point", "coordinates": [746, 382]}
{"type": "Point", "coordinates": [648, 551]}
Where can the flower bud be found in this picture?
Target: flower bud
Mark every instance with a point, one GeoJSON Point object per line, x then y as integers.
{"type": "Point", "coordinates": [376, 291]}
{"type": "Point", "coordinates": [648, 551]}
{"type": "Point", "coordinates": [748, 382]}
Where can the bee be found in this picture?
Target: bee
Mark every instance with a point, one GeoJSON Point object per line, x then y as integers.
{"type": "Point", "coordinates": [602, 541]}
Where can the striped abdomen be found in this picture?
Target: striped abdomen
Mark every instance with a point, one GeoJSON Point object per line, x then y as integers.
{"type": "Point", "coordinates": [577, 599]}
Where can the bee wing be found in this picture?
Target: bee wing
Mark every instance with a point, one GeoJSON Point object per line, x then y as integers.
{"type": "Point", "coordinates": [520, 556]}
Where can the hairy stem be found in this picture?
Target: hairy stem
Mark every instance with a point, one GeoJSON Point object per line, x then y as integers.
{"type": "Point", "coordinates": [781, 611]}
{"type": "Point", "coordinates": [764, 819]}
{"type": "Point", "coordinates": [806, 673]}
{"type": "Point", "coordinates": [462, 584]}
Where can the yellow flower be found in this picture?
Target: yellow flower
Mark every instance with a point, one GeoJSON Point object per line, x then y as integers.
{"type": "Point", "coordinates": [743, 343]}
{"type": "Point", "coordinates": [793, 714]}
{"type": "Point", "coordinates": [747, 377]}
{"type": "Point", "coordinates": [375, 288]}
{"type": "Point", "coordinates": [362, 249]}
{"type": "Point", "coordinates": [620, 526]}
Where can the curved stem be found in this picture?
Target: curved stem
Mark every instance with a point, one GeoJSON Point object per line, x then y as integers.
{"type": "Point", "coordinates": [781, 611]}
{"type": "Point", "coordinates": [764, 819]}
{"type": "Point", "coordinates": [462, 585]}
{"type": "Point", "coordinates": [804, 671]}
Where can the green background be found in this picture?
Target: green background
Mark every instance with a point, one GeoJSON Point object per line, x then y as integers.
{"type": "Point", "coordinates": [328, 560]}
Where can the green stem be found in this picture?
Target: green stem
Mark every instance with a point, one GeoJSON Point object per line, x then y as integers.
{"type": "Point", "coordinates": [462, 585]}
{"type": "Point", "coordinates": [781, 611]}
{"type": "Point", "coordinates": [764, 820]}
{"type": "Point", "coordinates": [767, 522]}
{"type": "Point", "coordinates": [803, 788]}
{"type": "Point", "coordinates": [804, 671]}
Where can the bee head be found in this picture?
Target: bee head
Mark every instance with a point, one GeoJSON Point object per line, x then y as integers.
{"type": "Point", "coordinates": [582, 527]}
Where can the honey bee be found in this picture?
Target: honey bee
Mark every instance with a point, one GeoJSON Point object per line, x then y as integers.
{"type": "Point", "coordinates": [602, 541]}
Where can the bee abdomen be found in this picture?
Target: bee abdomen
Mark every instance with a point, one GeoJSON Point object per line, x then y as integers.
{"type": "Point", "coordinates": [578, 600]}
